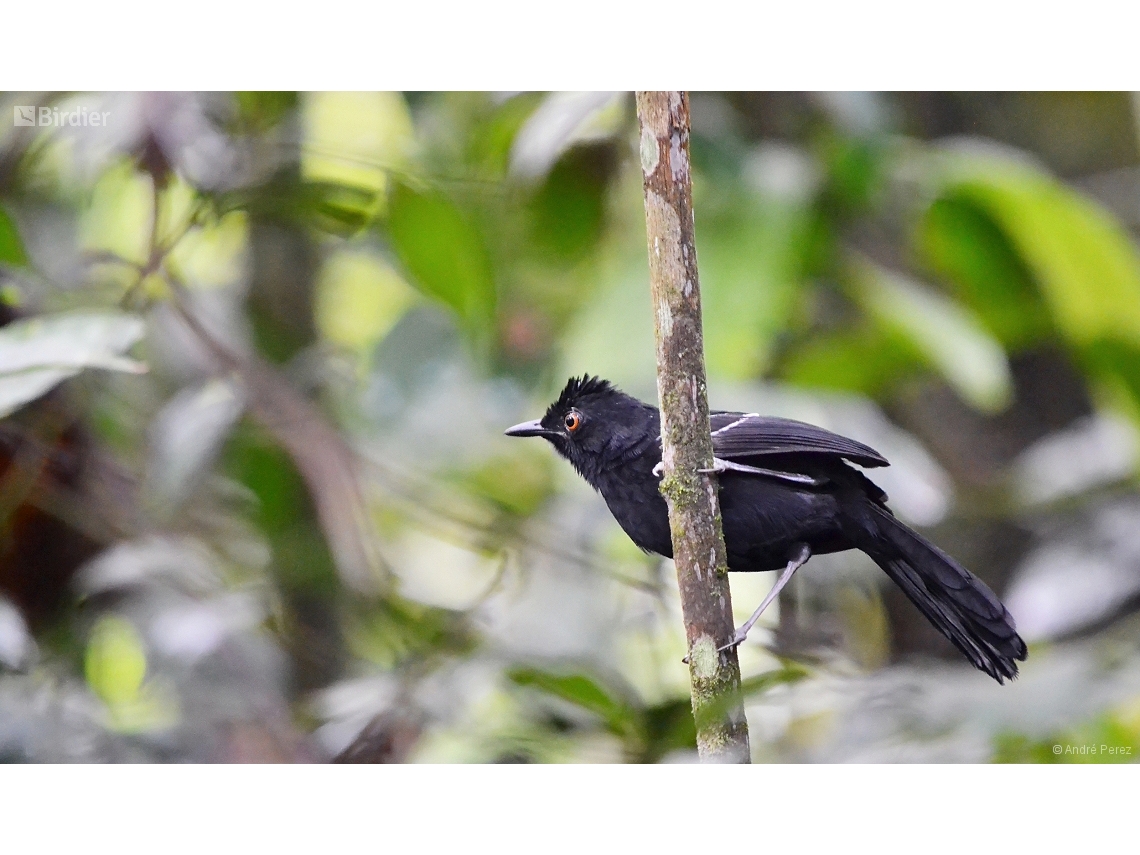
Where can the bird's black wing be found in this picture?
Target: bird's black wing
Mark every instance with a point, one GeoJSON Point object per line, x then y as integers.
{"type": "Point", "coordinates": [747, 435]}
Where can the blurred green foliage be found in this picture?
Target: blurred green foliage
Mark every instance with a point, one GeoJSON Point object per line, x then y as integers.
{"type": "Point", "coordinates": [11, 251]}
{"type": "Point", "coordinates": [1113, 737]}
{"type": "Point", "coordinates": [648, 733]}
{"type": "Point", "coordinates": [423, 269]}
{"type": "Point", "coordinates": [443, 253]}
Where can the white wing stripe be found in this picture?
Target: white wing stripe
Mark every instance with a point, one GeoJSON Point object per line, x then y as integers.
{"type": "Point", "coordinates": [720, 465]}
{"type": "Point", "coordinates": [730, 426]}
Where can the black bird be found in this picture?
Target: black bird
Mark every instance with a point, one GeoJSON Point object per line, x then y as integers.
{"type": "Point", "coordinates": [787, 491]}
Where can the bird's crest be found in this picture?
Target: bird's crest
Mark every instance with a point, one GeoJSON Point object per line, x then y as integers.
{"type": "Point", "coordinates": [577, 388]}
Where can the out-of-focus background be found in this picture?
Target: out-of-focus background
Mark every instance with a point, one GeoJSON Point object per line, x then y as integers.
{"type": "Point", "coordinates": [259, 350]}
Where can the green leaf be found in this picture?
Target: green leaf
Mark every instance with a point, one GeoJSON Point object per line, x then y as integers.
{"type": "Point", "coordinates": [670, 726]}
{"type": "Point", "coordinates": [867, 359]}
{"type": "Point", "coordinates": [950, 338]}
{"type": "Point", "coordinates": [115, 662]}
{"type": "Point", "coordinates": [394, 630]}
{"type": "Point", "coordinates": [340, 209]}
{"type": "Point", "coordinates": [962, 245]}
{"type": "Point", "coordinates": [1118, 362]}
{"type": "Point", "coordinates": [38, 353]}
{"type": "Point", "coordinates": [11, 249]}
{"type": "Point", "coordinates": [444, 253]}
{"type": "Point", "coordinates": [352, 140]}
{"type": "Point", "coordinates": [854, 174]}
{"type": "Point", "coordinates": [283, 511]}
{"type": "Point", "coordinates": [260, 111]}
{"type": "Point", "coordinates": [578, 689]}
{"type": "Point", "coordinates": [115, 665]}
{"type": "Point", "coordinates": [489, 146]}
{"type": "Point", "coordinates": [1081, 259]}
{"type": "Point", "coordinates": [569, 209]}
{"type": "Point", "coordinates": [788, 672]}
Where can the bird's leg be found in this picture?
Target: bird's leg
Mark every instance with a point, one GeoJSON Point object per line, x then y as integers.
{"type": "Point", "coordinates": [794, 564]}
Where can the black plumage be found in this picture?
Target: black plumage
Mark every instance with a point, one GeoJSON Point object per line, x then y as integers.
{"type": "Point", "coordinates": [787, 491]}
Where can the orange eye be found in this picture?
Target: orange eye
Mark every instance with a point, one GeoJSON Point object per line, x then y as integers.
{"type": "Point", "coordinates": [573, 421]}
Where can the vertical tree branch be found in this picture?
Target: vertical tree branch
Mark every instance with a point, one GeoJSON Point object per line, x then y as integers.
{"type": "Point", "coordinates": [686, 445]}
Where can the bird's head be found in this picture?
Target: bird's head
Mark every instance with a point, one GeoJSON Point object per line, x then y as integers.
{"type": "Point", "coordinates": [592, 424]}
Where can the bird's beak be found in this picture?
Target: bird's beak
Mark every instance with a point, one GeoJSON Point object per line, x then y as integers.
{"type": "Point", "coordinates": [533, 428]}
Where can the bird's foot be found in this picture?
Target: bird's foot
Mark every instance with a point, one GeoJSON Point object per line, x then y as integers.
{"type": "Point", "coordinates": [737, 639]}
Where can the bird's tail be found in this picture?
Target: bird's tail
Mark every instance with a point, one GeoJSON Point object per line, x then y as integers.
{"type": "Point", "coordinates": [956, 601]}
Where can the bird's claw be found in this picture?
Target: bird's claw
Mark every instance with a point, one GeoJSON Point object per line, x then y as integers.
{"type": "Point", "coordinates": [737, 640]}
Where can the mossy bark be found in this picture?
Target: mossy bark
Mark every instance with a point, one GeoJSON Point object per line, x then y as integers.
{"type": "Point", "coordinates": [694, 509]}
